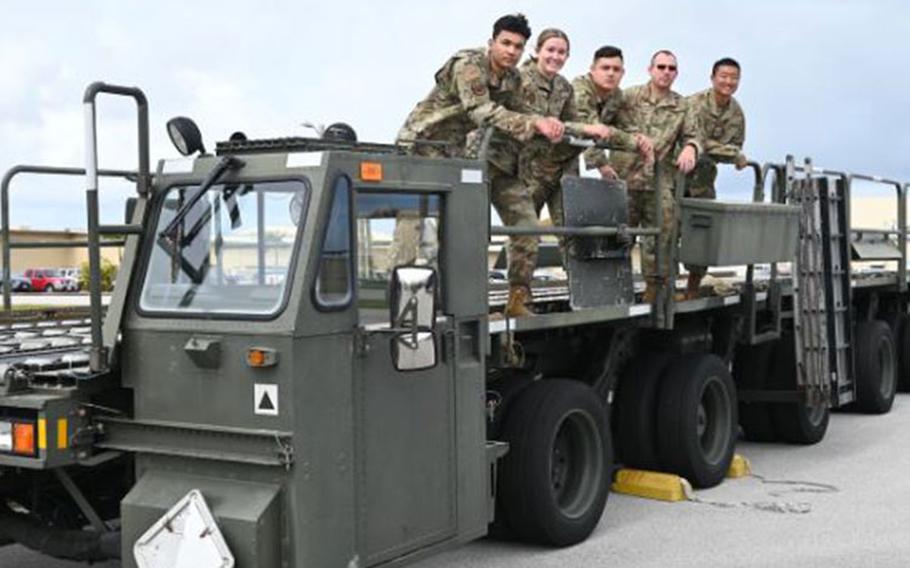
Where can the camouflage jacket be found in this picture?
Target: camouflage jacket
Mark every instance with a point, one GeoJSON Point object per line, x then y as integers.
{"type": "Point", "coordinates": [669, 125]}
{"type": "Point", "coordinates": [591, 108]}
{"type": "Point", "coordinates": [466, 96]}
{"type": "Point", "coordinates": [545, 97]}
{"type": "Point", "coordinates": [723, 128]}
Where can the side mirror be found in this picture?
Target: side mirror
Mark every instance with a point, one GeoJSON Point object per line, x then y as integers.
{"type": "Point", "coordinates": [413, 316]}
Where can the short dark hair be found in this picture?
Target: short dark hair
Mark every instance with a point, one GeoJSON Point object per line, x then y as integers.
{"type": "Point", "coordinates": [608, 51]}
{"type": "Point", "coordinates": [515, 23]}
{"type": "Point", "coordinates": [725, 62]}
{"type": "Point", "coordinates": [662, 52]}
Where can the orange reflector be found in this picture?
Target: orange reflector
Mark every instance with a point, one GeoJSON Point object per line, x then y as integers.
{"type": "Point", "coordinates": [370, 171]}
{"type": "Point", "coordinates": [24, 439]}
{"type": "Point", "coordinates": [42, 434]}
{"type": "Point", "coordinates": [62, 434]}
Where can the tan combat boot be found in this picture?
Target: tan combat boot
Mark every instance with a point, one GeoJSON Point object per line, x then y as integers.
{"type": "Point", "coordinates": [516, 307]}
{"type": "Point", "coordinates": [692, 286]}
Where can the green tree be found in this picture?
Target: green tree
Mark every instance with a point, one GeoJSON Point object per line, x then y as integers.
{"type": "Point", "coordinates": [108, 275]}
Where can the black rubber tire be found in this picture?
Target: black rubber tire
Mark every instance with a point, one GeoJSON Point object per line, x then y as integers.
{"type": "Point", "coordinates": [554, 481]}
{"type": "Point", "coordinates": [902, 342]}
{"type": "Point", "coordinates": [794, 422]}
{"type": "Point", "coordinates": [876, 367]}
{"type": "Point", "coordinates": [750, 372]}
{"type": "Point", "coordinates": [635, 410]}
{"type": "Point", "coordinates": [697, 419]}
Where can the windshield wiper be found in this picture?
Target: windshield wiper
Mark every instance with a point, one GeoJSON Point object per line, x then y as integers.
{"type": "Point", "coordinates": [226, 164]}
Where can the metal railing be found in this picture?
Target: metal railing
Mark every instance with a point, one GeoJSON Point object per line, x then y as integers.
{"type": "Point", "coordinates": [8, 244]}
{"type": "Point", "coordinates": [102, 340]}
{"type": "Point", "coordinates": [102, 347]}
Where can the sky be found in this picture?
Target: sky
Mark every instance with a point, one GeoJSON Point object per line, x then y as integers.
{"type": "Point", "coordinates": [821, 79]}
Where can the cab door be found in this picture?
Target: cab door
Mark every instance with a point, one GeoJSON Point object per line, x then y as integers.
{"type": "Point", "coordinates": [406, 442]}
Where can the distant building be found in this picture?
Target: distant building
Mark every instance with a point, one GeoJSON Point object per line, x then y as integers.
{"type": "Point", "coordinates": [22, 258]}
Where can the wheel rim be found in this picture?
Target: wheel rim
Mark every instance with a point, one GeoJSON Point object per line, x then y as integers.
{"type": "Point", "coordinates": [815, 414]}
{"type": "Point", "coordinates": [713, 420]}
{"type": "Point", "coordinates": [886, 364]}
{"type": "Point", "coordinates": [576, 464]}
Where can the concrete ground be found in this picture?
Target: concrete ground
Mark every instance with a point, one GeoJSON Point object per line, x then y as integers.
{"type": "Point", "coordinates": [844, 502]}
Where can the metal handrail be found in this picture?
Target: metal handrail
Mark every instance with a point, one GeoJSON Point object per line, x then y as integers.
{"type": "Point", "coordinates": [99, 356]}
{"type": "Point", "coordinates": [901, 194]}
{"type": "Point", "coordinates": [669, 301]}
{"type": "Point", "coordinates": [4, 214]}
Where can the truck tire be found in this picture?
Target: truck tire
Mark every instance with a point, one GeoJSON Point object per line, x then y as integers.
{"type": "Point", "coordinates": [750, 372]}
{"type": "Point", "coordinates": [876, 367]}
{"type": "Point", "coordinates": [554, 481]}
{"type": "Point", "coordinates": [635, 410]}
{"type": "Point", "coordinates": [794, 422]}
{"type": "Point", "coordinates": [902, 341]}
{"type": "Point", "coordinates": [696, 419]}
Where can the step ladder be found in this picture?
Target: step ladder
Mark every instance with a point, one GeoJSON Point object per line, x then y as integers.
{"type": "Point", "coordinates": [821, 287]}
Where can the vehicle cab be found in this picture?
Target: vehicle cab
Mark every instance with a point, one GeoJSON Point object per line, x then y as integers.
{"type": "Point", "coordinates": [303, 339]}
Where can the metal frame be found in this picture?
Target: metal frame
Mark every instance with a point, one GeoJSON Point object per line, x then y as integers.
{"type": "Point", "coordinates": [4, 217]}
{"type": "Point", "coordinates": [100, 354]}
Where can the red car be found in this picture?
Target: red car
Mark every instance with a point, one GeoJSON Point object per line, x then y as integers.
{"type": "Point", "coordinates": [49, 280]}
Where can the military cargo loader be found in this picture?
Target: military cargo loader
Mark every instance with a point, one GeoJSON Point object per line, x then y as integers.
{"type": "Point", "coordinates": [299, 365]}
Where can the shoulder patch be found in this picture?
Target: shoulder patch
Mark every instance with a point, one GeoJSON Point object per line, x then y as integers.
{"type": "Point", "coordinates": [478, 88]}
{"type": "Point", "coordinates": [471, 72]}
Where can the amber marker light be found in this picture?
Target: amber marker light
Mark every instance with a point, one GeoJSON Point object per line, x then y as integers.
{"type": "Point", "coordinates": [370, 171]}
{"type": "Point", "coordinates": [24, 439]}
{"type": "Point", "coordinates": [255, 358]}
{"type": "Point", "coordinates": [259, 357]}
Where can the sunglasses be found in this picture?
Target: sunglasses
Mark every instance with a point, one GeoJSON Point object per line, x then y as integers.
{"type": "Point", "coordinates": [666, 67]}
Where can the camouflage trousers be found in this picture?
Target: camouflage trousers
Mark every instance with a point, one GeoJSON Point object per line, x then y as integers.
{"type": "Point", "coordinates": [541, 169]}
{"type": "Point", "coordinates": [642, 211]}
{"type": "Point", "coordinates": [700, 185]}
{"type": "Point", "coordinates": [515, 206]}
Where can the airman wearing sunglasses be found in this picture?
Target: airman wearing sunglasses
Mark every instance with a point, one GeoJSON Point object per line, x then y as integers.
{"type": "Point", "coordinates": [662, 115]}
{"type": "Point", "coordinates": [723, 133]}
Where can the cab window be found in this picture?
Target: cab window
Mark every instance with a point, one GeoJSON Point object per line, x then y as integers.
{"type": "Point", "coordinates": [393, 229]}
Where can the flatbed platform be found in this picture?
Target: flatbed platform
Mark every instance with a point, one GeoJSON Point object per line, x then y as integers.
{"type": "Point", "coordinates": [552, 299]}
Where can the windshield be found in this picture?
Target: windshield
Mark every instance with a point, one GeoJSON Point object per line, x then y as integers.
{"type": "Point", "coordinates": [231, 253]}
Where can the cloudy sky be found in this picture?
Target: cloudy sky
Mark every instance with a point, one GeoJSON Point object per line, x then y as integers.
{"type": "Point", "coordinates": [820, 78]}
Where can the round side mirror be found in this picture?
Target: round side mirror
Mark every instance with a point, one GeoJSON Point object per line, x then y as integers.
{"type": "Point", "coordinates": [185, 135]}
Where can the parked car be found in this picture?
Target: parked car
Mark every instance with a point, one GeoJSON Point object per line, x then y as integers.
{"type": "Point", "coordinates": [75, 274]}
{"type": "Point", "coordinates": [50, 280]}
{"type": "Point", "coordinates": [18, 283]}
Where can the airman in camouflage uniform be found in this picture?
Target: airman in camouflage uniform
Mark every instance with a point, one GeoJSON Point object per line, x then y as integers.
{"type": "Point", "coordinates": [598, 99]}
{"type": "Point", "coordinates": [662, 115]}
{"type": "Point", "coordinates": [544, 91]}
{"type": "Point", "coordinates": [478, 88]}
{"type": "Point", "coordinates": [723, 133]}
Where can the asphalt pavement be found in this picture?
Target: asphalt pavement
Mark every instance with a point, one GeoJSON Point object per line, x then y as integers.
{"type": "Point", "coordinates": [844, 502]}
